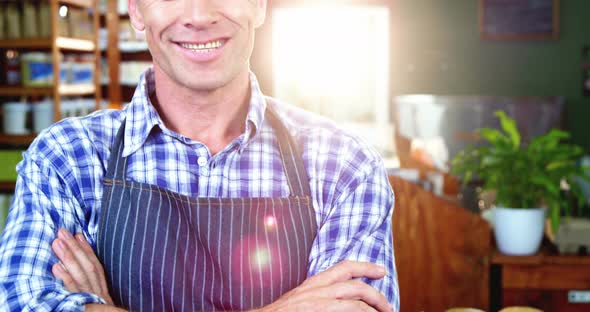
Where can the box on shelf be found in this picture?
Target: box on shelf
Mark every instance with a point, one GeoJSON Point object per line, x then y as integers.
{"type": "Point", "coordinates": [30, 20]}
{"type": "Point", "coordinates": [80, 24]}
{"type": "Point", "coordinates": [2, 20]}
{"type": "Point", "coordinates": [44, 15]}
{"type": "Point", "coordinates": [12, 21]}
{"type": "Point", "coordinates": [36, 69]}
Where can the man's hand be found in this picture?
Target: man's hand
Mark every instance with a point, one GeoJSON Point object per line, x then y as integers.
{"type": "Point", "coordinates": [336, 290]}
{"type": "Point", "coordinates": [79, 267]}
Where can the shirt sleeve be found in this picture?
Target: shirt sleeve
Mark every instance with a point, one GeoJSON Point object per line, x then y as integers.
{"type": "Point", "coordinates": [41, 206]}
{"type": "Point", "coordinates": [358, 228]}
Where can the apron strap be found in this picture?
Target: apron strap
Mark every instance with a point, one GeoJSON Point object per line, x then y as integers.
{"type": "Point", "coordinates": [117, 165]}
{"type": "Point", "coordinates": [295, 171]}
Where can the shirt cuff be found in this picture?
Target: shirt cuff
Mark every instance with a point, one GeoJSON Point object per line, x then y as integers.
{"type": "Point", "coordinates": [77, 301]}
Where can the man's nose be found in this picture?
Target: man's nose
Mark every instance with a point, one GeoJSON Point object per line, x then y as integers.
{"type": "Point", "coordinates": [200, 14]}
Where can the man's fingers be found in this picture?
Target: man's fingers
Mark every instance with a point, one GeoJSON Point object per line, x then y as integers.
{"type": "Point", "coordinates": [357, 290]}
{"type": "Point", "coordinates": [60, 273]}
{"type": "Point", "coordinates": [99, 269]}
{"type": "Point", "coordinates": [89, 268]}
{"type": "Point", "coordinates": [64, 250]}
{"type": "Point", "coordinates": [92, 257]}
{"type": "Point", "coordinates": [345, 271]}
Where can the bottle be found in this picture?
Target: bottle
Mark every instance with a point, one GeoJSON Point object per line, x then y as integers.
{"type": "Point", "coordinates": [12, 67]}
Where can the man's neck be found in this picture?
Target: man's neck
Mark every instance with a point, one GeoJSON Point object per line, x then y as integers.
{"type": "Point", "coordinates": [214, 118]}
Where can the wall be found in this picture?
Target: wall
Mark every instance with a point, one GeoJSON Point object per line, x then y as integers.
{"type": "Point", "coordinates": [437, 49]}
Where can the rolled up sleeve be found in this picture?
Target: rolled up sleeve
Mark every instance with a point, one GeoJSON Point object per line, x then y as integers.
{"type": "Point", "coordinates": [358, 228]}
{"type": "Point", "coordinates": [41, 206]}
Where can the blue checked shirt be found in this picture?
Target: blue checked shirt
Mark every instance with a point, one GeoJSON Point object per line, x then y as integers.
{"type": "Point", "coordinates": [59, 186]}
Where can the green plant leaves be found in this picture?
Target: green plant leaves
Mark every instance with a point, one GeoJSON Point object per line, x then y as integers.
{"type": "Point", "coordinates": [524, 176]}
{"type": "Point", "coordinates": [509, 127]}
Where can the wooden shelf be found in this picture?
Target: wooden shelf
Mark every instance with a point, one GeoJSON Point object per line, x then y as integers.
{"type": "Point", "coordinates": [64, 43]}
{"type": "Point", "coordinates": [21, 140]}
{"type": "Point", "coordinates": [64, 89]}
{"type": "Point", "coordinates": [543, 257]}
{"type": "Point", "coordinates": [24, 91]}
{"type": "Point", "coordinates": [77, 89]}
{"type": "Point", "coordinates": [73, 44]}
{"type": "Point", "coordinates": [7, 186]}
{"type": "Point", "coordinates": [80, 3]}
{"type": "Point", "coordinates": [40, 43]}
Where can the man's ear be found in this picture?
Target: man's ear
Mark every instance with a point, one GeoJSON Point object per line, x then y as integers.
{"type": "Point", "coordinates": [260, 12]}
{"type": "Point", "coordinates": [135, 16]}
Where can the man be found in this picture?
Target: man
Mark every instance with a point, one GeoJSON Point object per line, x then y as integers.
{"type": "Point", "coordinates": [201, 194]}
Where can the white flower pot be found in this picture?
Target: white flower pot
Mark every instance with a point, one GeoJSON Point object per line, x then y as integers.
{"type": "Point", "coordinates": [519, 232]}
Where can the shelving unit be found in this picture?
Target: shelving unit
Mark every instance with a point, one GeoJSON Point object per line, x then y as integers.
{"type": "Point", "coordinates": [56, 44]}
{"type": "Point", "coordinates": [113, 54]}
{"type": "Point", "coordinates": [60, 43]}
{"type": "Point", "coordinates": [118, 92]}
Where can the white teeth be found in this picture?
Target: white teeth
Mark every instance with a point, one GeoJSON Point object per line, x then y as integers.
{"type": "Point", "coordinates": [202, 47]}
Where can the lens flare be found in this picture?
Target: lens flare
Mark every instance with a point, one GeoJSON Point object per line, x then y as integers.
{"type": "Point", "coordinates": [270, 222]}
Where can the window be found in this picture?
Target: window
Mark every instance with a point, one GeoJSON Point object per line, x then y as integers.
{"type": "Point", "coordinates": [335, 61]}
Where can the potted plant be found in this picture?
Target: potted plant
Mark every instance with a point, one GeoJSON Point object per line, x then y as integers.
{"type": "Point", "coordinates": [528, 181]}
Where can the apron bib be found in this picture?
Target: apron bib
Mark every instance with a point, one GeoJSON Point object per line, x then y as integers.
{"type": "Point", "coordinates": [163, 251]}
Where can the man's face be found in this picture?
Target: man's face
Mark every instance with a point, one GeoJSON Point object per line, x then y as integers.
{"type": "Point", "coordinates": [199, 44]}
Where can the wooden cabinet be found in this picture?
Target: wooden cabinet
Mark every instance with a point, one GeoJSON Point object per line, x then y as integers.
{"type": "Point", "coordinates": [542, 280]}
{"type": "Point", "coordinates": [441, 251]}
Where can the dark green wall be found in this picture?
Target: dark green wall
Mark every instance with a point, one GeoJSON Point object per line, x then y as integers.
{"type": "Point", "coordinates": [436, 48]}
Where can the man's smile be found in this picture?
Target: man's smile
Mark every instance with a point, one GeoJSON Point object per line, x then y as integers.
{"type": "Point", "coordinates": [203, 47]}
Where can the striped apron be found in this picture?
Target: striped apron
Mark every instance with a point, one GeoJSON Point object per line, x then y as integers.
{"type": "Point", "coordinates": [163, 251]}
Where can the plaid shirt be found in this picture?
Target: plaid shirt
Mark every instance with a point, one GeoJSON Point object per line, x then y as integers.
{"type": "Point", "coordinates": [59, 186]}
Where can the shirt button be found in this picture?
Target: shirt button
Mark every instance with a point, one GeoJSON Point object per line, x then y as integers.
{"type": "Point", "coordinates": [201, 161]}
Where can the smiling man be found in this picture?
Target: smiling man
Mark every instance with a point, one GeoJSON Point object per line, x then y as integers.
{"type": "Point", "coordinates": [200, 194]}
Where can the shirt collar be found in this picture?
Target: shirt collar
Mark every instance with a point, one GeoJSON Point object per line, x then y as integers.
{"type": "Point", "coordinates": [142, 116]}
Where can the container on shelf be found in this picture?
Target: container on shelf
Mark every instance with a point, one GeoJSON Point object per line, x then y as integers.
{"type": "Point", "coordinates": [42, 115]}
{"type": "Point", "coordinates": [15, 118]}
{"type": "Point", "coordinates": [12, 21]}
{"type": "Point", "coordinates": [82, 73]}
{"type": "Point", "coordinates": [81, 25]}
{"type": "Point", "coordinates": [2, 18]}
{"type": "Point", "coordinates": [44, 14]}
{"type": "Point", "coordinates": [30, 20]}
{"type": "Point", "coordinates": [37, 69]}
{"type": "Point", "coordinates": [12, 67]}
{"type": "Point", "coordinates": [63, 25]}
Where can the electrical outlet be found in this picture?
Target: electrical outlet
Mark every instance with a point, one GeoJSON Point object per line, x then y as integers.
{"type": "Point", "coordinates": [578, 296]}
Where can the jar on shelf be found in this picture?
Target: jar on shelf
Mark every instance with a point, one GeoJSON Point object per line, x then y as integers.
{"type": "Point", "coordinates": [44, 24]}
{"type": "Point", "coordinates": [2, 18]}
{"type": "Point", "coordinates": [12, 67]}
{"type": "Point", "coordinates": [30, 19]}
{"type": "Point", "coordinates": [36, 69]}
{"type": "Point", "coordinates": [15, 118]}
{"type": "Point", "coordinates": [12, 21]}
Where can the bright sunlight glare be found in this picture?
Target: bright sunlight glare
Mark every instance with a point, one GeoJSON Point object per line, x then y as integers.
{"type": "Point", "coordinates": [333, 60]}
